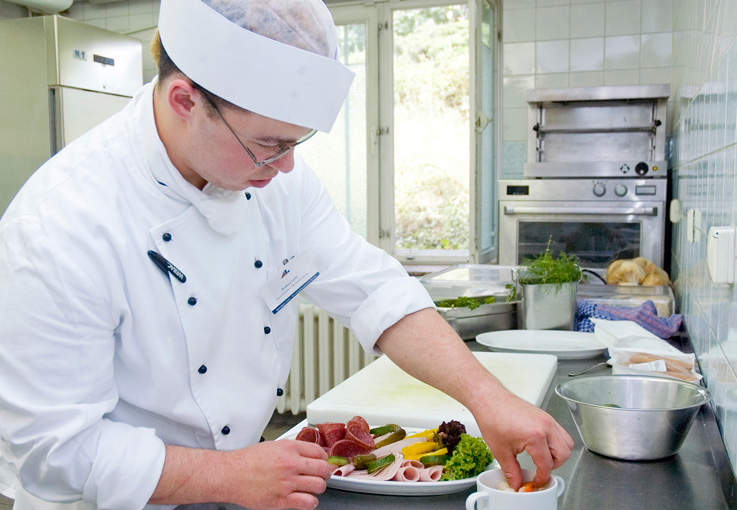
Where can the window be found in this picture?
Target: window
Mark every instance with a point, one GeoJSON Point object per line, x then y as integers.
{"type": "Point", "coordinates": [401, 162]}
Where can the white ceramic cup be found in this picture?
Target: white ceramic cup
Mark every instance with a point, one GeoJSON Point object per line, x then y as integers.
{"type": "Point", "coordinates": [490, 497]}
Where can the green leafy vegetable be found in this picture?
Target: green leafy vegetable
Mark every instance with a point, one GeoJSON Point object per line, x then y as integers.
{"type": "Point", "coordinates": [470, 458]}
{"type": "Point", "coordinates": [465, 302]}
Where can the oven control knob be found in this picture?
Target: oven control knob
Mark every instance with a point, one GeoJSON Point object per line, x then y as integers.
{"type": "Point", "coordinates": [641, 168]}
{"type": "Point", "coordinates": [599, 189]}
{"type": "Point", "coordinates": [620, 190]}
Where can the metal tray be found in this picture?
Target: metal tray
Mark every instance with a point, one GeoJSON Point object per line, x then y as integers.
{"type": "Point", "coordinates": [492, 317]}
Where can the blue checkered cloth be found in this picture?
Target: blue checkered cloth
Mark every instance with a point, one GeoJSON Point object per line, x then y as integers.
{"type": "Point", "coordinates": [645, 315]}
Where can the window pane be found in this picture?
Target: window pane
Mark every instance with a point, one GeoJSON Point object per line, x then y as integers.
{"type": "Point", "coordinates": [339, 157]}
{"type": "Point", "coordinates": [431, 128]}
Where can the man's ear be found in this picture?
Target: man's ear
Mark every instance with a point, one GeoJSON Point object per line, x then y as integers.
{"type": "Point", "coordinates": [182, 96]}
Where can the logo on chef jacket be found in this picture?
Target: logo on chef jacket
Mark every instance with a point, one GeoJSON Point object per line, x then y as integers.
{"type": "Point", "coordinates": [285, 273]}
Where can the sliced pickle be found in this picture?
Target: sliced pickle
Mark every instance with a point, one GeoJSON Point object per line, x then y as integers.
{"type": "Point", "coordinates": [393, 437]}
{"type": "Point", "coordinates": [434, 460]}
{"type": "Point", "coordinates": [380, 431]}
{"type": "Point", "coordinates": [380, 463]}
{"type": "Point", "coordinates": [337, 461]}
{"type": "Point", "coordinates": [362, 461]}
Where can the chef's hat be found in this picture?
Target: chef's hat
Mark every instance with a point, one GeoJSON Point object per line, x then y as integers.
{"type": "Point", "coordinates": [277, 58]}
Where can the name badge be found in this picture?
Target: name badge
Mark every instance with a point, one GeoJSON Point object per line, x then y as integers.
{"type": "Point", "coordinates": [289, 280]}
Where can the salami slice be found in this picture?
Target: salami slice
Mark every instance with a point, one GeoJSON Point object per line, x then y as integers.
{"type": "Point", "coordinates": [357, 433]}
{"type": "Point", "coordinates": [347, 448]}
{"type": "Point", "coordinates": [309, 434]}
{"type": "Point", "coordinates": [331, 432]}
{"type": "Point", "coordinates": [360, 421]}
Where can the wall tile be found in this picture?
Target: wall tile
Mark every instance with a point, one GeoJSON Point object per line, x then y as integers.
{"type": "Point", "coordinates": [552, 81]}
{"type": "Point", "coordinates": [519, 58]}
{"type": "Point", "coordinates": [657, 16]}
{"type": "Point", "coordinates": [552, 23]}
{"type": "Point", "coordinates": [622, 52]}
{"type": "Point", "coordinates": [656, 50]}
{"type": "Point", "coordinates": [623, 18]}
{"type": "Point", "coordinates": [587, 20]}
{"type": "Point", "coordinates": [622, 77]}
{"type": "Point", "coordinates": [514, 157]}
{"type": "Point", "coordinates": [587, 79]}
{"type": "Point", "coordinates": [519, 25]}
{"type": "Point", "coordinates": [587, 54]}
{"type": "Point", "coordinates": [514, 90]}
{"type": "Point", "coordinates": [515, 124]}
{"type": "Point", "coordinates": [552, 56]}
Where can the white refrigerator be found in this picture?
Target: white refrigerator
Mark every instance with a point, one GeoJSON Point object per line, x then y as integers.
{"type": "Point", "coordinates": [58, 79]}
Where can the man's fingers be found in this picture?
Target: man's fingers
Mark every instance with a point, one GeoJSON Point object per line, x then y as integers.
{"type": "Point", "coordinates": [511, 468]}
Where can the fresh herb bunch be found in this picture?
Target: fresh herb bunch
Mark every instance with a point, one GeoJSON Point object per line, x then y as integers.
{"type": "Point", "coordinates": [545, 269]}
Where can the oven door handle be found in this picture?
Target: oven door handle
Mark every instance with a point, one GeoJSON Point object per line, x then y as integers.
{"type": "Point", "coordinates": [511, 210]}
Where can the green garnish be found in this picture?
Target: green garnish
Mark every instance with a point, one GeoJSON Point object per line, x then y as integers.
{"type": "Point", "coordinates": [465, 302]}
{"type": "Point", "coordinates": [470, 458]}
{"type": "Point", "coordinates": [545, 269]}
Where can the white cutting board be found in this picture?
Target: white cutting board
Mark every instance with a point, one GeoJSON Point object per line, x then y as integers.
{"type": "Point", "coordinates": [383, 393]}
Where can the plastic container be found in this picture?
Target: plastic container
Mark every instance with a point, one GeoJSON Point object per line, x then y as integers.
{"type": "Point", "coordinates": [478, 281]}
{"type": "Point", "coordinates": [630, 296]}
{"type": "Point", "coordinates": [469, 280]}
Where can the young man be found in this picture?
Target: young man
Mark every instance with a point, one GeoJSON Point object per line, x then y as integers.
{"type": "Point", "coordinates": [148, 275]}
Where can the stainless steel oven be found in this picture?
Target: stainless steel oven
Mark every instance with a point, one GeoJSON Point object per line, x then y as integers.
{"type": "Point", "coordinates": [597, 220]}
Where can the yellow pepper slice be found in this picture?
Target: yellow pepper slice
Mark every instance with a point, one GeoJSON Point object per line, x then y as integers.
{"type": "Point", "coordinates": [424, 433]}
{"type": "Point", "coordinates": [441, 451]}
{"type": "Point", "coordinates": [417, 448]}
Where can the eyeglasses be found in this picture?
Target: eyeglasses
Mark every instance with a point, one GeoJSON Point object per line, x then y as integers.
{"type": "Point", "coordinates": [281, 149]}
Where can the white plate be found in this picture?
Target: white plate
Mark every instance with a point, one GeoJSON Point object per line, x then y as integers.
{"type": "Point", "coordinates": [398, 488]}
{"type": "Point", "coordinates": [563, 344]}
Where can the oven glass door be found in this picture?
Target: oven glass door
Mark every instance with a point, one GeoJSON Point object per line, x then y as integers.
{"type": "Point", "coordinates": [593, 243]}
{"type": "Point", "coordinates": [595, 233]}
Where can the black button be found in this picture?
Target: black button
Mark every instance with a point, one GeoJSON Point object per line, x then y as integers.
{"type": "Point", "coordinates": [279, 392]}
{"type": "Point", "coordinates": [258, 264]}
{"type": "Point", "coordinates": [262, 439]}
{"type": "Point", "coordinates": [226, 430]}
{"type": "Point", "coordinates": [202, 369]}
{"type": "Point", "coordinates": [248, 196]}
{"type": "Point", "coordinates": [166, 237]}
{"type": "Point", "coordinates": [267, 330]}
{"type": "Point", "coordinates": [192, 301]}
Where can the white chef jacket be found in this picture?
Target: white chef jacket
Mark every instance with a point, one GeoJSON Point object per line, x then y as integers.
{"type": "Point", "coordinates": [104, 358]}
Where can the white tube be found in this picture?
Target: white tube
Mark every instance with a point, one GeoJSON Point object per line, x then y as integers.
{"type": "Point", "coordinates": [47, 6]}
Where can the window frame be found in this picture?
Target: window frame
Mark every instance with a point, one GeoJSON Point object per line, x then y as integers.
{"type": "Point", "coordinates": [380, 125]}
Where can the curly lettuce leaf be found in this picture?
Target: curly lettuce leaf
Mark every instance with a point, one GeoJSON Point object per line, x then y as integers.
{"type": "Point", "coordinates": [470, 458]}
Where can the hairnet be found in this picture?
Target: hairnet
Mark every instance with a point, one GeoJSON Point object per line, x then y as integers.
{"type": "Point", "coordinates": [305, 24]}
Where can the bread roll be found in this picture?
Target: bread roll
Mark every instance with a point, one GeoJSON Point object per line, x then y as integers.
{"type": "Point", "coordinates": [628, 272]}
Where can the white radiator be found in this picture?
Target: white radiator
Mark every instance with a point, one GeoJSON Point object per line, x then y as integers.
{"type": "Point", "coordinates": [325, 354]}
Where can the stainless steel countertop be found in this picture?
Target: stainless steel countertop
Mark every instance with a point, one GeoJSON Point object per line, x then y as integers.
{"type": "Point", "coordinates": [699, 476]}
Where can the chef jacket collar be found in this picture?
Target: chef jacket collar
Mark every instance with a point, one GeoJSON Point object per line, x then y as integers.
{"type": "Point", "coordinates": [257, 73]}
{"type": "Point", "coordinates": [225, 210]}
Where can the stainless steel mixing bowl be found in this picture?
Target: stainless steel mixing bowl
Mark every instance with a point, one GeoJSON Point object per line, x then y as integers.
{"type": "Point", "coordinates": [632, 417]}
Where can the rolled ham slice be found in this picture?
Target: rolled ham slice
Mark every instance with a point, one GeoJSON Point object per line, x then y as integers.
{"type": "Point", "coordinates": [431, 474]}
{"type": "Point", "coordinates": [344, 470]}
{"type": "Point", "coordinates": [383, 475]}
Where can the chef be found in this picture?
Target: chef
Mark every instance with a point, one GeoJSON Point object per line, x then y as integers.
{"type": "Point", "coordinates": [150, 271]}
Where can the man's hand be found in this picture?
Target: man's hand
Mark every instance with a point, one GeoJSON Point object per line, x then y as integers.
{"type": "Point", "coordinates": [514, 426]}
{"type": "Point", "coordinates": [272, 474]}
